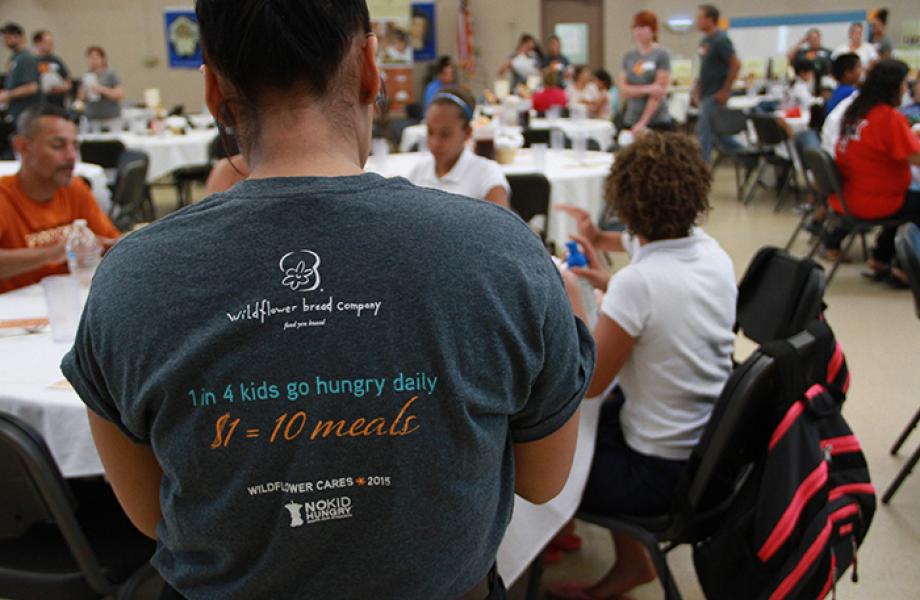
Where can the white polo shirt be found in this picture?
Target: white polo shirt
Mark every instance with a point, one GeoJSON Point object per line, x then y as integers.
{"type": "Point", "coordinates": [472, 176]}
{"type": "Point", "coordinates": [677, 298]}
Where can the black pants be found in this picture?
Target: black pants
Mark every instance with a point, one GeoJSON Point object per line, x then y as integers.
{"type": "Point", "coordinates": [884, 244]}
{"type": "Point", "coordinates": [496, 588]}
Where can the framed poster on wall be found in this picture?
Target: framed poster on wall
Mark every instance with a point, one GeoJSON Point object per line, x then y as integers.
{"type": "Point", "coordinates": [183, 38]}
{"type": "Point", "coordinates": [423, 30]}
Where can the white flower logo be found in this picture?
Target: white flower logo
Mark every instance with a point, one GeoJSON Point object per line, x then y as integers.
{"type": "Point", "coordinates": [301, 270]}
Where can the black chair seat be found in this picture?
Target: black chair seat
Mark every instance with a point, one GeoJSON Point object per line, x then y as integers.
{"type": "Point", "coordinates": [656, 525]}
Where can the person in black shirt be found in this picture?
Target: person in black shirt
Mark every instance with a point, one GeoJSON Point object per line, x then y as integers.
{"type": "Point", "coordinates": [810, 49]}
{"type": "Point", "coordinates": [55, 77]}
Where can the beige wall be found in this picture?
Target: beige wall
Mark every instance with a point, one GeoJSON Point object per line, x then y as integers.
{"type": "Point", "coordinates": [132, 32]}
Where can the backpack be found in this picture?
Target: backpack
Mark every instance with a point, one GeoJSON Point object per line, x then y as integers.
{"type": "Point", "coordinates": [798, 523]}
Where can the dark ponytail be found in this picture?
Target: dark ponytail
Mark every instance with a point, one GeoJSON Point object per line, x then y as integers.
{"type": "Point", "coordinates": [882, 86]}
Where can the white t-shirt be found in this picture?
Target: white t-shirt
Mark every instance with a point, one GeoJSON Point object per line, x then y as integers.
{"type": "Point", "coordinates": [830, 131]}
{"type": "Point", "coordinates": [588, 95]}
{"type": "Point", "coordinates": [677, 298]}
{"type": "Point", "coordinates": [472, 176]}
{"type": "Point", "coordinates": [866, 52]}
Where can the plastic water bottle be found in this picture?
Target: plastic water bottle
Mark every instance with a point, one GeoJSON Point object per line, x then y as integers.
{"type": "Point", "coordinates": [83, 252]}
{"type": "Point", "coordinates": [576, 258]}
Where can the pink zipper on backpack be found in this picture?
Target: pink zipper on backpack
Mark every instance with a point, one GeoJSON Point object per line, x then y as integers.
{"type": "Point", "coordinates": [841, 445]}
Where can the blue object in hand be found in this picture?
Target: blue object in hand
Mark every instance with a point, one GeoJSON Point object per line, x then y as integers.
{"type": "Point", "coordinates": [576, 257]}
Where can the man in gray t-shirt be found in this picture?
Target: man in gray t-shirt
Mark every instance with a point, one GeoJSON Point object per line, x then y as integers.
{"type": "Point", "coordinates": [21, 86]}
{"type": "Point", "coordinates": [719, 66]}
{"type": "Point", "coordinates": [643, 69]}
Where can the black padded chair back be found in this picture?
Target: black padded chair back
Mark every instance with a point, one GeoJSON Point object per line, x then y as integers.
{"type": "Point", "coordinates": [536, 136]}
{"type": "Point", "coordinates": [806, 139]}
{"type": "Point", "coordinates": [33, 491]}
{"type": "Point", "coordinates": [728, 121]}
{"type": "Point", "coordinates": [779, 295]}
{"type": "Point", "coordinates": [907, 246]}
{"type": "Point", "coordinates": [530, 196]}
{"type": "Point", "coordinates": [768, 130]}
{"type": "Point", "coordinates": [737, 433]}
{"type": "Point", "coordinates": [130, 194]}
{"type": "Point", "coordinates": [104, 153]}
{"type": "Point", "coordinates": [824, 173]}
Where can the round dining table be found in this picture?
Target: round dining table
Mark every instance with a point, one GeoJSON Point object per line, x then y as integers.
{"type": "Point", "coordinates": [600, 131]}
{"type": "Point", "coordinates": [167, 151]}
{"type": "Point", "coordinates": [575, 178]}
{"type": "Point", "coordinates": [33, 388]}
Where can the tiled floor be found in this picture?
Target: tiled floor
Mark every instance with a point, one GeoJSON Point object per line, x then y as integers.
{"type": "Point", "coordinates": [880, 333]}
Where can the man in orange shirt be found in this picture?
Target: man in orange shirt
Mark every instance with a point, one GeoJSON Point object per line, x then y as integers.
{"type": "Point", "coordinates": [39, 204]}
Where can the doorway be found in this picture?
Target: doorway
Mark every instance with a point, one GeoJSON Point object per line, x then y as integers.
{"type": "Point", "coordinates": [582, 24]}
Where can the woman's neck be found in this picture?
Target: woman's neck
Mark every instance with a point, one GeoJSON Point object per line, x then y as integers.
{"type": "Point", "coordinates": [646, 47]}
{"type": "Point", "coordinates": [303, 143]}
{"type": "Point", "coordinates": [443, 168]}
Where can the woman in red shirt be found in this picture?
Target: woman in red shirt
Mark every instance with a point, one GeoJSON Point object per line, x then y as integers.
{"type": "Point", "coordinates": [874, 154]}
{"type": "Point", "coordinates": [551, 94]}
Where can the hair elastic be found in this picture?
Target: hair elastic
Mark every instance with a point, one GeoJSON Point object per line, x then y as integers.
{"type": "Point", "coordinates": [455, 99]}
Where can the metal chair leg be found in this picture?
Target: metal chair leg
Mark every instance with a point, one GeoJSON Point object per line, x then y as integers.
{"type": "Point", "coordinates": [843, 252]}
{"type": "Point", "coordinates": [750, 184]}
{"type": "Point", "coordinates": [904, 434]}
{"type": "Point", "coordinates": [902, 475]}
{"type": "Point", "coordinates": [865, 248]}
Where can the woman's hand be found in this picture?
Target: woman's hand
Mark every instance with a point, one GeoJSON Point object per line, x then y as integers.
{"type": "Point", "coordinates": [583, 221]}
{"type": "Point", "coordinates": [594, 273]}
{"type": "Point", "coordinates": [638, 129]}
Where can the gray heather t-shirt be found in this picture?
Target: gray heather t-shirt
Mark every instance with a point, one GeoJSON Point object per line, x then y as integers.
{"type": "Point", "coordinates": [331, 372]}
{"type": "Point", "coordinates": [641, 69]}
{"type": "Point", "coordinates": [104, 108]}
{"type": "Point", "coordinates": [716, 51]}
{"type": "Point", "coordinates": [22, 69]}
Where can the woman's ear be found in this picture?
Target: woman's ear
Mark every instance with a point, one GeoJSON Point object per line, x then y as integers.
{"type": "Point", "coordinates": [370, 73]}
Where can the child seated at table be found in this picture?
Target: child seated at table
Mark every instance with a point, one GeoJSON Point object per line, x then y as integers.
{"type": "Point", "coordinates": [665, 330]}
{"type": "Point", "coordinates": [552, 93]}
{"type": "Point", "coordinates": [452, 166]}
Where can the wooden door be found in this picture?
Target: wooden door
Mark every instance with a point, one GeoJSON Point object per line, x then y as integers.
{"type": "Point", "coordinates": [578, 12]}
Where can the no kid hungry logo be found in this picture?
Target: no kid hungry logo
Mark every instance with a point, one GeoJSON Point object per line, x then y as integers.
{"type": "Point", "coordinates": [300, 274]}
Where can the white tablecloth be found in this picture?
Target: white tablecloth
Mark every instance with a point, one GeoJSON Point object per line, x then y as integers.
{"type": "Point", "coordinates": [599, 130]}
{"type": "Point", "coordinates": [167, 152]}
{"type": "Point", "coordinates": [29, 368]}
{"type": "Point", "coordinates": [94, 173]}
{"type": "Point", "coordinates": [29, 372]}
{"type": "Point", "coordinates": [571, 181]}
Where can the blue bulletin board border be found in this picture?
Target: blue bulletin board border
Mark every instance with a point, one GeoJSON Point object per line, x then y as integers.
{"type": "Point", "coordinates": [799, 19]}
{"type": "Point", "coordinates": [179, 56]}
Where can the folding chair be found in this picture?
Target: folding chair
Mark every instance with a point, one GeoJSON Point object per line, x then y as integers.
{"type": "Point", "coordinates": [536, 136]}
{"type": "Point", "coordinates": [770, 136]}
{"type": "Point", "coordinates": [779, 295]}
{"type": "Point", "coordinates": [828, 182]}
{"type": "Point", "coordinates": [727, 122]}
{"type": "Point", "coordinates": [131, 194]}
{"type": "Point", "coordinates": [719, 466]}
{"type": "Point", "coordinates": [530, 199]}
{"type": "Point", "coordinates": [801, 141]}
{"type": "Point", "coordinates": [907, 246]}
{"type": "Point", "coordinates": [47, 549]}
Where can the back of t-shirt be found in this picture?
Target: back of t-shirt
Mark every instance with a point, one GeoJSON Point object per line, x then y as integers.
{"type": "Point", "coordinates": [331, 372]}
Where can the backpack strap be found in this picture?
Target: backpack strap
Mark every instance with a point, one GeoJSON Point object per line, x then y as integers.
{"type": "Point", "coordinates": [789, 371]}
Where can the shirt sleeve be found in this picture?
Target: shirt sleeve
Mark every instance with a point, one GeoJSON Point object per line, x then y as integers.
{"type": "Point", "coordinates": [663, 61]}
{"type": "Point", "coordinates": [88, 209]}
{"type": "Point", "coordinates": [111, 79]}
{"type": "Point", "coordinates": [26, 71]}
{"type": "Point", "coordinates": [568, 366]}
{"type": "Point", "coordinates": [902, 141]}
{"type": "Point", "coordinates": [491, 177]}
{"type": "Point", "coordinates": [627, 301]}
{"type": "Point", "coordinates": [82, 369]}
{"type": "Point", "coordinates": [725, 48]}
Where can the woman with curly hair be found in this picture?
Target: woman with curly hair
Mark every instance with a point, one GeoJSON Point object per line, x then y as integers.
{"type": "Point", "coordinates": [665, 330]}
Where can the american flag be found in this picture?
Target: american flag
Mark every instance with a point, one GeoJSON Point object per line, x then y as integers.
{"type": "Point", "coordinates": [465, 52]}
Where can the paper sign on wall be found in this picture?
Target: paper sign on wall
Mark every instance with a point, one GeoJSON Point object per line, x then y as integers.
{"type": "Point", "coordinates": [573, 38]}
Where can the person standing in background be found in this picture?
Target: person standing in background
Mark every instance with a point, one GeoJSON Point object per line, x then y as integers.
{"type": "Point", "coordinates": [719, 66]}
{"type": "Point", "coordinates": [55, 77]}
{"type": "Point", "coordinates": [525, 61]}
{"type": "Point", "coordinates": [21, 88]}
{"type": "Point", "coordinates": [858, 46]}
{"type": "Point", "coordinates": [878, 36]}
{"type": "Point", "coordinates": [644, 78]}
{"type": "Point", "coordinates": [554, 58]}
{"type": "Point", "coordinates": [101, 88]}
{"type": "Point", "coordinates": [810, 48]}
